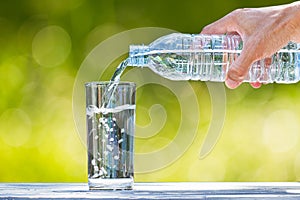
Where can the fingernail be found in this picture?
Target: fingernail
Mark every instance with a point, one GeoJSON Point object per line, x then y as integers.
{"type": "Point", "coordinates": [232, 84]}
{"type": "Point", "coordinates": [256, 85]}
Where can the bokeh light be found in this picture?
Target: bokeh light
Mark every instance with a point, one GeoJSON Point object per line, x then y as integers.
{"type": "Point", "coordinates": [281, 130]}
{"type": "Point", "coordinates": [15, 127]}
{"type": "Point", "coordinates": [51, 46]}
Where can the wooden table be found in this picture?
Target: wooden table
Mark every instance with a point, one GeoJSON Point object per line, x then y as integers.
{"type": "Point", "coordinates": [174, 190]}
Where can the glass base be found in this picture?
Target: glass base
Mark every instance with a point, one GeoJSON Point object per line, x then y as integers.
{"type": "Point", "coordinates": [110, 183]}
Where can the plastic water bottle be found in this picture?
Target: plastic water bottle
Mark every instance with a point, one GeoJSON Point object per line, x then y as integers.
{"type": "Point", "coordinates": [208, 57]}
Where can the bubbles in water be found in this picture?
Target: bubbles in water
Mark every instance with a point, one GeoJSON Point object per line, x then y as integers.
{"type": "Point", "coordinates": [120, 141]}
{"type": "Point", "coordinates": [93, 162]}
{"type": "Point", "coordinates": [109, 147]}
{"type": "Point", "coordinates": [116, 157]}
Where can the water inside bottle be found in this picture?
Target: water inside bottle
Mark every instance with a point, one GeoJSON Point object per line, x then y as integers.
{"type": "Point", "coordinates": [213, 65]}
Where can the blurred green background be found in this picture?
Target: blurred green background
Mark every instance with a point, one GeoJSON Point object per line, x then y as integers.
{"type": "Point", "coordinates": [43, 44]}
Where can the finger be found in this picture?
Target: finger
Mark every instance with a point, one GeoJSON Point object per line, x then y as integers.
{"type": "Point", "coordinates": [268, 62]}
{"type": "Point", "coordinates": [255, 85]}
{"type": "Point", "coordinates": [237, 71]}
{"type": "Point", "coordinates": [232, 84]}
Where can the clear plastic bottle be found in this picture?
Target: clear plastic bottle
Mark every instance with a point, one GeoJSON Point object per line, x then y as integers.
{"type": "Point", "coordinates": [208, 57]}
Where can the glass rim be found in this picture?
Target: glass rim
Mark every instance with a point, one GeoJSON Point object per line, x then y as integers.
{"type": "Point", "coordinates": [105, 83]}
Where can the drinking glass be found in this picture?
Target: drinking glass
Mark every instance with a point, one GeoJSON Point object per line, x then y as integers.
{"type": "Point", "coordinates": [110, 133]}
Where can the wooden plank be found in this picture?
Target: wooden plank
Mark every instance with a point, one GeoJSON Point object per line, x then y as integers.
{"type": "Point", "coordinates": [180, 190]}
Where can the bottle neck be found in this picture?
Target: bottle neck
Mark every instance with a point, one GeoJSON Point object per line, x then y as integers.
{"type": "Point", "coordinates": [138, 55]}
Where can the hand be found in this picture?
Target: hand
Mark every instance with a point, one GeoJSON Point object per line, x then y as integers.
{"type": "Point", "coordinates": [263, 31]}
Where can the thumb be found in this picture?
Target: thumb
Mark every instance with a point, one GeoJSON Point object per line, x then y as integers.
{"type": "Point", "coordinates": [238, 71]}
{"type": "Point", "coordinates": [214, 28]}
